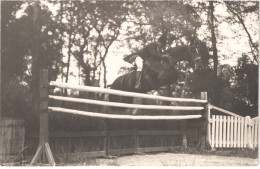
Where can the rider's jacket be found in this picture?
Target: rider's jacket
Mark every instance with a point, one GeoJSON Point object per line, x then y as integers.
{"type": "Point", "coordinates": [151, 50]}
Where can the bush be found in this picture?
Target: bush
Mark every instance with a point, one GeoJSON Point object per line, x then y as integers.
{"type": "Point", "coordinates": [15, 98]}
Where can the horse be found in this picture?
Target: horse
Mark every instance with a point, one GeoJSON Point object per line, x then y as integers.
{"type": "Point", "coordinates": [156, 72]}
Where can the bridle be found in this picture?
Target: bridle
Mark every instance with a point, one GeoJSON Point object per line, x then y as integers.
{"type": "Point", "coordinates": [187, 56]}
{"type": "Point", "coordinates": [198, 57]}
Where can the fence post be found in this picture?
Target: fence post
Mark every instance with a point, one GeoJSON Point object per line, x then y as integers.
{"type": "Point", "coordinates": [203, 141]}
{"type": "Point", "coordinates": [249, 132]}
{"type": "Point", "coordinates": [106, 137]}
{"type": "Point", "coordinates": [184, 135]}
{"type": "Point", "coordinates": [136, 138]}
{"type": "Point", "coordinates": [43, 150]}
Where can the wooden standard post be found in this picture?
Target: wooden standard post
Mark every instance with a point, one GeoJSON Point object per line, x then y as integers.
{"type": "Point", "coordinates": [203, 141]}
{"type": "Point", "coordinates": [136, 136]}
{"type": "Point", "coordinates": [43, 150]}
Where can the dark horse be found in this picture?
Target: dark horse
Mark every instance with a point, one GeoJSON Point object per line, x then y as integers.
{"type": "Point", "coordinates": [156, 72]}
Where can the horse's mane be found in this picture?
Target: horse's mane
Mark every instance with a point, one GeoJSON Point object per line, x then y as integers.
{"type": "Point", "coordinates": [177, 53]}
{"type": "Point", "coordinates": [177, 50]}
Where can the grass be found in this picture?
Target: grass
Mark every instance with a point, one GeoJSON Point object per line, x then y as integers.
{"type": "Point", "coordinates": [245, 153]}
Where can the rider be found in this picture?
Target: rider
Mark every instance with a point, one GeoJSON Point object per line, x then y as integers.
{"type": "Point", "coordinates": [153, 49]}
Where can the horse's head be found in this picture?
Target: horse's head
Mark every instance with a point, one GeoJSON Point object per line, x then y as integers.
{"type": "Point", "coordinates": [184, 53]}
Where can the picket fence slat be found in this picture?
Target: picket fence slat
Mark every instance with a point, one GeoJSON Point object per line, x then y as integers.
{"type": "Point", "coordinates": [217, 128]}
{"type": "Point", "coordinates": [220, 132]}
{"type": "Point", "coordinates": [237, 137]}
{"type": "Point", "coordinates": [209, 131]}
{"type": "Point", "coordinates": [232, 132]}
{"type": "Point", "coordinates": [256, 133]}
{"type": "Point", "coordinates": [224, 132]}
{"type": "Point", "coordinates": [242, 133]}
{"type": "Point", "coordinates": [245, 132]}
{"type": "Point", "coordinates": [253, 132]}
{"type": "Point", "coordinates": [228, 131]}
{"type": "Point", "coordinates": [213, 131]}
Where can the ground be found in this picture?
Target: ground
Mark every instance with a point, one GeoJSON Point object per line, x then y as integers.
{"type": "Point", "coordinates": [177, 158]}
{"type": "Point", "coordinates": [169, 159]}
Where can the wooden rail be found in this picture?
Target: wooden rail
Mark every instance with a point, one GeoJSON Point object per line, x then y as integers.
{"type": "Point", "coordinates": [224, 111]}
{"type": "Point", "coordinates": [81, 134]}
{"type": "Point", "coordinates": [116, 116]}
{"type": "Point", "coordinates": [122, 93]}
{"type": "Point", "coordinates": [84, 134]}
{"type": "Point", "coordinates": [44, 150]}
{"type": "Point", "coordinates": [124, 105]}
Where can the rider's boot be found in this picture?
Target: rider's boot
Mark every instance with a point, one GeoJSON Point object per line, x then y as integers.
{"type": "Point", "coordinates": [138, 80]}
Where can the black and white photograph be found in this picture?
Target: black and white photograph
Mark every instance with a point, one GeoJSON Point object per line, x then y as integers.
{"type": "Point", "coordinates": [119, 83]}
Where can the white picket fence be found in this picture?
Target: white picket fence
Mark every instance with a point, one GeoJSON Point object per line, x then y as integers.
{"type": "Point", "coordinates": [233, 131]}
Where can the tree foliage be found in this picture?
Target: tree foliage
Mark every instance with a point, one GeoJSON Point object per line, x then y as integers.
{"type": "Point", "coordinates": [246, 85]}
{"type": "Point", "coordinates": [84, 32]}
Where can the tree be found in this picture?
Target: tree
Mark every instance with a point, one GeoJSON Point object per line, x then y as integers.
{"type": "Point", "coordinates": [241, 10]}
{"type": "Point", "coordinates": [95, 26]}
{"type": "Point", "coordinates": [213, 37]}
{"type": "Point", "coordinates": [13, 64]}
{"type": "Point", "coordinates": [29, 44]}
{"type": "Point", "coordinates": [246, 85]}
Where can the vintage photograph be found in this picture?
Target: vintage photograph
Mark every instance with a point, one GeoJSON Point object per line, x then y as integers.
{"type": "Point", "coordinates": [129, 83]}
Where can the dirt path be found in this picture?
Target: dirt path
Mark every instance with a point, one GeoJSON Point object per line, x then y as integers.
{"type": "Point", "coordinates": [170, 159]}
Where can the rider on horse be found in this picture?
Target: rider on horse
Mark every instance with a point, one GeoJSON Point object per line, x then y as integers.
{"type": "Point", "coordinates": [153, 49]}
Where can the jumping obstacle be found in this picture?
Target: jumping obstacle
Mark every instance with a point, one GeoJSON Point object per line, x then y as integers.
{"type": "Point", "coordinates": [44, 153]}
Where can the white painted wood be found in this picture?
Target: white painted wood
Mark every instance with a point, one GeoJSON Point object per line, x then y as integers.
{"type": "Point", "coordinates": [228, 131]}
{"type": "Point", "coordinates": [238, 132]}
{"type": "Point", "coordinates": [209, 125]}
{"type": "Point", "coordinates": [256, 126]}
{"type": "Point", "coordinates": [249, 133]}
{"type": "Point", "coordinates": [224, 111]}
{"type": "Point", "coordinates": [253, 132]}
{"type": "Point", "coordinates": [242, 133]}
{"type": "Point", "coordinates": [124, 105]}
{"type": "Point", "coordinates": [122, 93]}
{"type": "Point", "coordinates": [213, 131]}
{"type": "Point", "coordinates": [232, 132]}
{"type": "Point", "coordinates": [220, 131]}
{"type": "Point", "coordinates": [116, 116]}
{"type": "Point", "coordinates": [245, 133]}
{"type": "Point", "coordinates": [224, 131]}
{"type": "Point", "coordinates": [217, 130]}
{"type": "Point", "coordinates": [257, 129]}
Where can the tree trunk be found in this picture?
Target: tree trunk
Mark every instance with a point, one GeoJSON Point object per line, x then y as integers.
{"type": "Point", "coordinates": [62, 43]}
{"type": "Point", "coordinates": [213, 38]}
{"type": "Point", "coordinates": [68, 61]}
{"type": "Point", "coordinates": [69, 52]}
{"type": "Point", "coordinates": [105, 73]}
